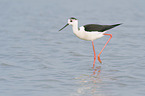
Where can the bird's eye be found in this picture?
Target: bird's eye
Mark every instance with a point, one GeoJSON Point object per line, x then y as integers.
{"type": "Point", "coordinates": [70, 20]}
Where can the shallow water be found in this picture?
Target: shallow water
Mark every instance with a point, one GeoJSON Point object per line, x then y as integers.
{"type": "Point", "coordinates": [36, 59]}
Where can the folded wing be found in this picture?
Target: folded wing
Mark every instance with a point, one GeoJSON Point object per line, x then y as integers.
{"type": "Point", "coordinates": [99, 28]}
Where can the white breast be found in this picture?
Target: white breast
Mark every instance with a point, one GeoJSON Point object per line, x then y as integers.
{"type": "Point", "coordinates": [90, 36]}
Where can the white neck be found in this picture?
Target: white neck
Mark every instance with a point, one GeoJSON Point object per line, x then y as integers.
{"type": "Point", "coordinates": [75, 27]}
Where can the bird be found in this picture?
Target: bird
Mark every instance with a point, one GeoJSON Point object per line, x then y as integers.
{"type": "Point", "coordinates": [90, 32]}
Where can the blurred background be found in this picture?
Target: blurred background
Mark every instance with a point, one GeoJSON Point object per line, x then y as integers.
{"type": "Point", "coordinates": [36, 59]}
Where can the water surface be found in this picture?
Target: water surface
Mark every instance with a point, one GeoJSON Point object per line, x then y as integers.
{"type": "Point", "coordinates": [36, 59]}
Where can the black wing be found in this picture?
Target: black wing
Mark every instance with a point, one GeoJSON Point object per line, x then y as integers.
{"type": "Point", "coordinates": [99, 28]}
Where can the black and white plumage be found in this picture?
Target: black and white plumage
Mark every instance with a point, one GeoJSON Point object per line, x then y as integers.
{"type": "Point", "coordinates": [90, 32]}
{"type": "Point", "coordinates": [99, 28]}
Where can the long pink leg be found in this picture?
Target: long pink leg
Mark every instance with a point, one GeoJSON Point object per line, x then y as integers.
{"type": "Point", "coordinates": [104, 47]}
{"type": "Point", "coordinates": [94, 54]}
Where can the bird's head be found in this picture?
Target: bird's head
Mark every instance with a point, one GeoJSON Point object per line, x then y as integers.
{"type": "Point", "coordinates": [71, 21]}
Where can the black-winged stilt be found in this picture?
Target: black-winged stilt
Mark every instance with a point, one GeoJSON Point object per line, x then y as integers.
{"type": "Point", "coordinates": [90, 32]}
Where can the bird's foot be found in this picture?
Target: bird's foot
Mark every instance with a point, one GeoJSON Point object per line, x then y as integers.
{"type": "Point", "coordinates": [99, 59]}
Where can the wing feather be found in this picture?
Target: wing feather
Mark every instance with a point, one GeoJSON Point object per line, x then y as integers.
{"type": "Point", "coordinates": [99, 28]}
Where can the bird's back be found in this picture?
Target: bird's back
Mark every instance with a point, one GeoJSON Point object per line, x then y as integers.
{"type": "Point", "coordinates": [99, 28]}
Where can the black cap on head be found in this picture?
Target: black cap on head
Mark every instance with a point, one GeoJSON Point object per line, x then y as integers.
{"type": "Point", "coordinates": [73, 18]}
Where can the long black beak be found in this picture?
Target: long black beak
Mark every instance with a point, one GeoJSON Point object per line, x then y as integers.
{"type": "Point", "coordinates": [64, 27]}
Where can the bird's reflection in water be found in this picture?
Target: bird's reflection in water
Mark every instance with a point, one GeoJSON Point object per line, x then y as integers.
{"type": "Point", "coordinates": [90, 85]}
{"type": "Point", "coordinates": [96, 71]}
